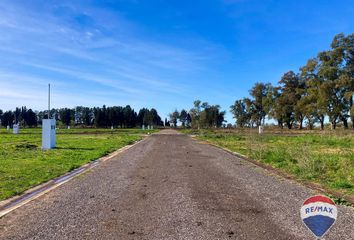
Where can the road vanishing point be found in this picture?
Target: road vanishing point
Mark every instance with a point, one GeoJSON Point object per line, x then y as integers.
{"type": "Point", "coordinates": [170, 186]}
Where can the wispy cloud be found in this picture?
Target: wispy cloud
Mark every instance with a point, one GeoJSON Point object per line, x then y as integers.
{"type": "Point", "coordinates": [92, 56]}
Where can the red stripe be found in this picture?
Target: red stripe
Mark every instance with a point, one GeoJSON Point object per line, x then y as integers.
{"type": "Point", "coordinates": [319, 198]}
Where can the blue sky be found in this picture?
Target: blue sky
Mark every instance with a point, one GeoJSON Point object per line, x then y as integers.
{"type": "Point", "coordinates": [162, 54]}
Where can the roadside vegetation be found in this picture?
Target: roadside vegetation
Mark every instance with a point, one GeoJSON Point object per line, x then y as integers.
{"type": "Point", "coordinates": [307, 103]}
{"type": "Point", "coordinates": [23, 164]}
{"type": "Point", "coordinates": [324, 157]}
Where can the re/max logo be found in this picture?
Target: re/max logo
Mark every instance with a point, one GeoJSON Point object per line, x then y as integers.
{"type": "Point", "coordinates": [318, 209]}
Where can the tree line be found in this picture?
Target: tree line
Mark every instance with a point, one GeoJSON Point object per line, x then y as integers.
{"type": "Point", "coordinates": [201, 115]}
{"type": "Point", "coordinates": [116, 116]}
{"type": "Point", "coordinates": [322, 89]}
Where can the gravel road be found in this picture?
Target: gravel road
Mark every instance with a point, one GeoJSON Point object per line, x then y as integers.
{"type": "Point", "coordinates": [169, 186]}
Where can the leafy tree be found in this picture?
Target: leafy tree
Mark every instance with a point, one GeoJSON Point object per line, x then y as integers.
{"type": "Point", "coordinates": [156, 119]}
{"type": "Point", "coordinates": [332, 94]}
{"type": "Point", "coordinates": [129, 117]}
{"type": "Point", "coordinates": [288, 98]}
{"type": "Point", "coordinates": [183, 117]}
{"type": "Point", "coordinates": [240, 113]}
{"type": "Point", "coordinates": [261, 107]}
{"type": "Point", "coordinates": [343, 51]}
{"type": "Point", "coordinates": [188, 120]}
{"type": "Point", "coordinates": [167, 123]}
{"type": "Point", "coordinates": [195, 114]}
{"type": "Point", "coordinates": [87, 116]}
{"type": "Point", "coordinates": [8, 118]}
{"type": "Point", "coordinates": [65, 115]}
{"type": "Point", "coordinates": [311, 104]}
{"type": "Point", "coordinates": [30, 118]}
{"type": "Point", "coordinates": [174, 117]}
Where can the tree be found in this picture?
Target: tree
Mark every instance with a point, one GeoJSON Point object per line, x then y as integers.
{"type": "Point", "coordinates": [240, 113]}
{"type": "Point", "coordinates": [288, 98]}
{"type": "Point", "coordinates": [310, 104]}
{"type": "Point", "coordinates": [343, 50]}
{"type": "Point", "coordinates": [87, 116]}
{"type": "Point", "coordinates": [174, 117]}
{"type": "Point", "coordinates": [211, 116]}
{"type": "Point", "coordinates": [65, 115]}
{"type": "Point", "coordinates": [30, 118]}
{"type": "Point", "coordinates": [261, 108]}
{"type": "Point", "coordinates": [183, 117]}
{"type": "Point", "coordinates": [195, 114]}
{"type": "Point", "coordinates": [8, 118]}
{"type": "Point", "coordinates": [129, 117]}
{"type": "Point", "coordinates": [167, 123]}
{"type": "Point", "coordinates": [331, 94]}
{"type": "Point", "coordinates": [156, 119]}
{"type": "Point", "coordinates": [188, 120]}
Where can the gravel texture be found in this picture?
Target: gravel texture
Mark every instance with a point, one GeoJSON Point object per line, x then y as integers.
{"type": "Point", "coordinates": [169, 186]}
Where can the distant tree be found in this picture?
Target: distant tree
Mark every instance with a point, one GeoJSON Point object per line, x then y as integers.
{"type": "Point", "coordinates": [87, 116]}
{"type": "Point", "coordinates": [240, 113]}
{"type": "Point", "coordinates": [183, 117]}
{"type": "Point", "coordinates": [211, 116]}
{"type": "Point", "coordinates": [342, 54]}
{"type": "Point", "coordinates": [8, 118]}
{"type": "Point", "coordinates": [311, 103]}
{"type": "Point", "coordinates": [195, 114]}
{"type": "Point", "coordinates": [156, 119]}
{"type": "Point", "coordinates": [167, 123]}
{"type": "Point", "coordinates": [30, 118]}
{"type": "Point", "coordinates": [332, 93]}
{"type": "Point", "coordinates": [140, 117]}
{"type": "Point", "coordinates": [17, 115]}
{"type": "Point", "coordinates": [174, 117]}
{"type": "Point", "coordinates": [129, 116]}
{"type": "Point", "coordinates": [260, 92]}
{"type": "Point", "coordinates": [1, 113]}
{"type": "Point", "coordinates": [188, 120]}
{"type": "Point", "coordinates": [65, 115]}
{"type": "Point", "coordinates": [288, 97]}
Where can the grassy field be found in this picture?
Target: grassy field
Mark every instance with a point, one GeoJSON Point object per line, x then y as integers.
{"type": "Point", "coordinates": [23, 164]}
{"type": "Point", "coordinates": [322, 157]}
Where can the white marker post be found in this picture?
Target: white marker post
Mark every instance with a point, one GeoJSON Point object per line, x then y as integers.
{"type": "Point", "coordinates": [48, 129]}
{"type": "Point", "coordinates": [260, 129]}
{"type": "Point", "coordinates": [16, 128]}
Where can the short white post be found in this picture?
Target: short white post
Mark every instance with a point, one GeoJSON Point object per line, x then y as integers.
{"type": "Point", "coordinates": [143, 127]}
{"type": "Point", "coordinates": [48, 134]}
{"type": "Point", "coordinates": [8, 127]}
{"type": "Point", "coordinates": [16, 128]}
{"type": "Point", "coordinates": [260, 129]}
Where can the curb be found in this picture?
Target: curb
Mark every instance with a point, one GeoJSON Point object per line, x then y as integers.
{"type": "Point", "coordinates": [7, 206]}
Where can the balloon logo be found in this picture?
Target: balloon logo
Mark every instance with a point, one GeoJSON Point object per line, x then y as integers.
{"type": "Point", "coordinates": [319, 214]}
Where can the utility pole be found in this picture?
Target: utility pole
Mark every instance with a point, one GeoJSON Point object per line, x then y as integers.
{"type": "Point", "coordinates": [49, 101]}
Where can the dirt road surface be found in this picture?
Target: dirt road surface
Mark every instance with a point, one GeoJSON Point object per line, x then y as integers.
{"type": "Point", "coordinates": [169, 186]}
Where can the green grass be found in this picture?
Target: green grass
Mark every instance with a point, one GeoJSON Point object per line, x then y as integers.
{"type": "Point", "coordinates": [23, 164]}
{"type": "Point", "coordinates": [322, 157]}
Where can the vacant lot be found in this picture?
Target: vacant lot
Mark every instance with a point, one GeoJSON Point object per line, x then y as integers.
{"type": "Point", "coordinates": [323, 157]}
{"type": "Point", "coordinates": [23, 164]}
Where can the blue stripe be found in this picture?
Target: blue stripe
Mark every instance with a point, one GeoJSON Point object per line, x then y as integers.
{"type": "Point", "coordinates": [319, 224]}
